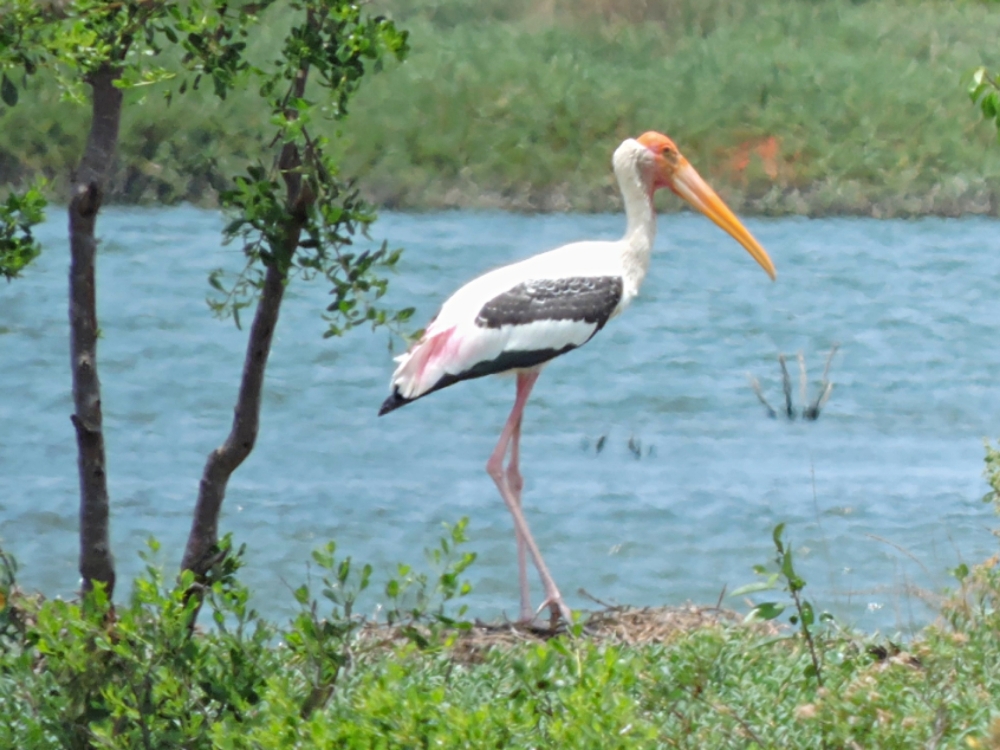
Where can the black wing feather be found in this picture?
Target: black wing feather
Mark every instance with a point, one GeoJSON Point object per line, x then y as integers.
{"type": "Point", "coordinates": [591, 299]}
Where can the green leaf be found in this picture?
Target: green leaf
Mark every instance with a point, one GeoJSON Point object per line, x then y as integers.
{"type": "Point", "coordinates": [991, 105]}
{"type": "Point", "coordinates": [302, 594]}
{"type": "Point", "coordinates": [765, 611]}
{"type": "Point", "coordinates": [344, 570]}
{"type": "Point", "coordinates": [557, 645]}
{"type": "Point", "coordinates": [323, 558]}
{"type": "Point", "coordinates": [8, 91]}
{"type": "Point", "coordinates": [960, 572]}
{"type": "Point", "coordinates": [978, 85]}
{"type": "Point", "coordinates": [751, 588]}
{"type": "Point", "coordinates": [776, 536]}
{"type": "Point", "coordinates": [786, 566]}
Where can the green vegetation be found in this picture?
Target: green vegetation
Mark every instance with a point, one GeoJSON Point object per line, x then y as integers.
{"type": "Point", "coordinates": [18, 214]}
{"type": "Point", "coordinates": [792, 106]}
{"type": "Point", "coordinates": [290, 209]}
{"type": "Point", "coordinates": [993, 476]}
{"type": "Point", "coordinates": [136, 676]}
{"type": "Point", "coordinates": [984, 90]}
{"type": "Point", "coordinates": [818, 106]}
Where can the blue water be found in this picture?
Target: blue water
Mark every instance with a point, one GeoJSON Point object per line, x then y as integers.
{"type": "Point", "coordinates": [881, 495]}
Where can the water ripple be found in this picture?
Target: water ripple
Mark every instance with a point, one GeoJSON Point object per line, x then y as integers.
{"type": "Point", "coordinates": [897, 455]}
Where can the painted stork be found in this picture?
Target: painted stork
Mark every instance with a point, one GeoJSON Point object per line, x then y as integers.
{"type": "Point", "coordinates": [518, 317]}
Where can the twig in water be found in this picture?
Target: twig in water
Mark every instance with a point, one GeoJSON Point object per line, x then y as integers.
{"type": "Point", "coordinates": [901, 549]}
{"type": "Point", "coordinates": [803, 378]}
{"type": "Point", "coordinates": [819, 525]}
{"type": "Point", "coordinates": [809, 411]}
{"type": "Point", "coordinates": [812, 412]}
{"type": "Point", "coordinates": [635, 446]}
{"type": "Point", "coordinates": [958, 552]}
{"type": "Point", "coordinates": [829, 359]}
{"type": "Point", "coordinates": [786, 386]}
{"type": "Point", "coordinates": [760, 396]}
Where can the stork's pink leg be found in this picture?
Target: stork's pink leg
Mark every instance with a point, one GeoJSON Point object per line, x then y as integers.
{"type": "Point", "coordinates": [516, 483]}
{"type": "Point", "coordinates": [553, 599]}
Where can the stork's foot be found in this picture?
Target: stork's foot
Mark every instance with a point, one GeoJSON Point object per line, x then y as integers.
{"type": "Point", "coordinates": [557, 608]}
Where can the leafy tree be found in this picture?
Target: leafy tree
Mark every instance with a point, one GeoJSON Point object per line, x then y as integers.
{"type": "Point", "coordinates": [291, 210]}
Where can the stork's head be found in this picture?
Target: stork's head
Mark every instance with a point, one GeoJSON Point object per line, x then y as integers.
{"type": "Point", "coordinates": [672, 170]}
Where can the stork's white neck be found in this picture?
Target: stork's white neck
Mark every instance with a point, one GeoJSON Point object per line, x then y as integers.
{"type": "Point", "coordinates": [633, 168]}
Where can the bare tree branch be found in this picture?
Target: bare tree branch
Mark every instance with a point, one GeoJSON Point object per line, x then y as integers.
{"type": "Point", "coordinates": [803, 378]}
{"type": "Point", "coordinates": [786, 384]}
{"type": "Point", "coordinates": [826, 388]}
{"type": "Point", "coordinates": [96, 560]}
{"type": "Point", "coordinates": [760, 396]}
{"type": "Point", "coordinates": [829, 361]}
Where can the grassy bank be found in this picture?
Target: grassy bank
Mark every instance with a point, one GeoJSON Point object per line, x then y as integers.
{"type": "Point", "coordinates": [417, 674]}
{"type": "Point", "coordinates": [817, 107]}
{"type": "Point", "coordinates": [801, 107]}
{"type": "Point", "coordinates": [81, 677]}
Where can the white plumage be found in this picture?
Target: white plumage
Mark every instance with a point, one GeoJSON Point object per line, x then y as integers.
{"type": "Point", "coordinates": [470, 344]}
{"type": "Point", "coordinates": [520, 316]}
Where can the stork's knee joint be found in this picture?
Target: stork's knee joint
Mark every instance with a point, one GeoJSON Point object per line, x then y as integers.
{"type": "Point", "coordinates": [495, 469]}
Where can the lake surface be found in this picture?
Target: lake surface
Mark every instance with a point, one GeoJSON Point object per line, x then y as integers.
{"type": "Point", "coordinates": [880, 495]}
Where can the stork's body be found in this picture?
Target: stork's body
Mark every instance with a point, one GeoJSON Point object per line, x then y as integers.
{"type": "Point", "coordinates": [519, 317]}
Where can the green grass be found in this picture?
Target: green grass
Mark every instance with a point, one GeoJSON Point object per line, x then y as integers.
{"type": "Point", "coordinates": [520, 104]}
{"type": "Point", "coordinates": [864, 101]}
{"type": "Point", "coordinates": [714, 688]}
{"type": "Point", "coordinates": [77, 677]}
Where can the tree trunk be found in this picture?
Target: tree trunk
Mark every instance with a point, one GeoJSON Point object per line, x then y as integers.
{"type": "Point", "coordinates": [223, 461]}
{"type": "Point", "coordinates": [201, 550]}
{"type": "Point", "coordinates": [96, 562]}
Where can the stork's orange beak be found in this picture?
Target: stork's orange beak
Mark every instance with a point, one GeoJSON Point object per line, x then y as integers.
{"type": "Point", "coordinates": [684, 180]}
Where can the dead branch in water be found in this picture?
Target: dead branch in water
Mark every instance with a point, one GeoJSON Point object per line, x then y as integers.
{"type": "Point", "coordinates": [760, 397]}
{"type": "Point", "coordinates": [826, 388]}
{"type": "Point", "coordinates": [811, 411]}
{"type": "Point", "coordinates": [786, 386]}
